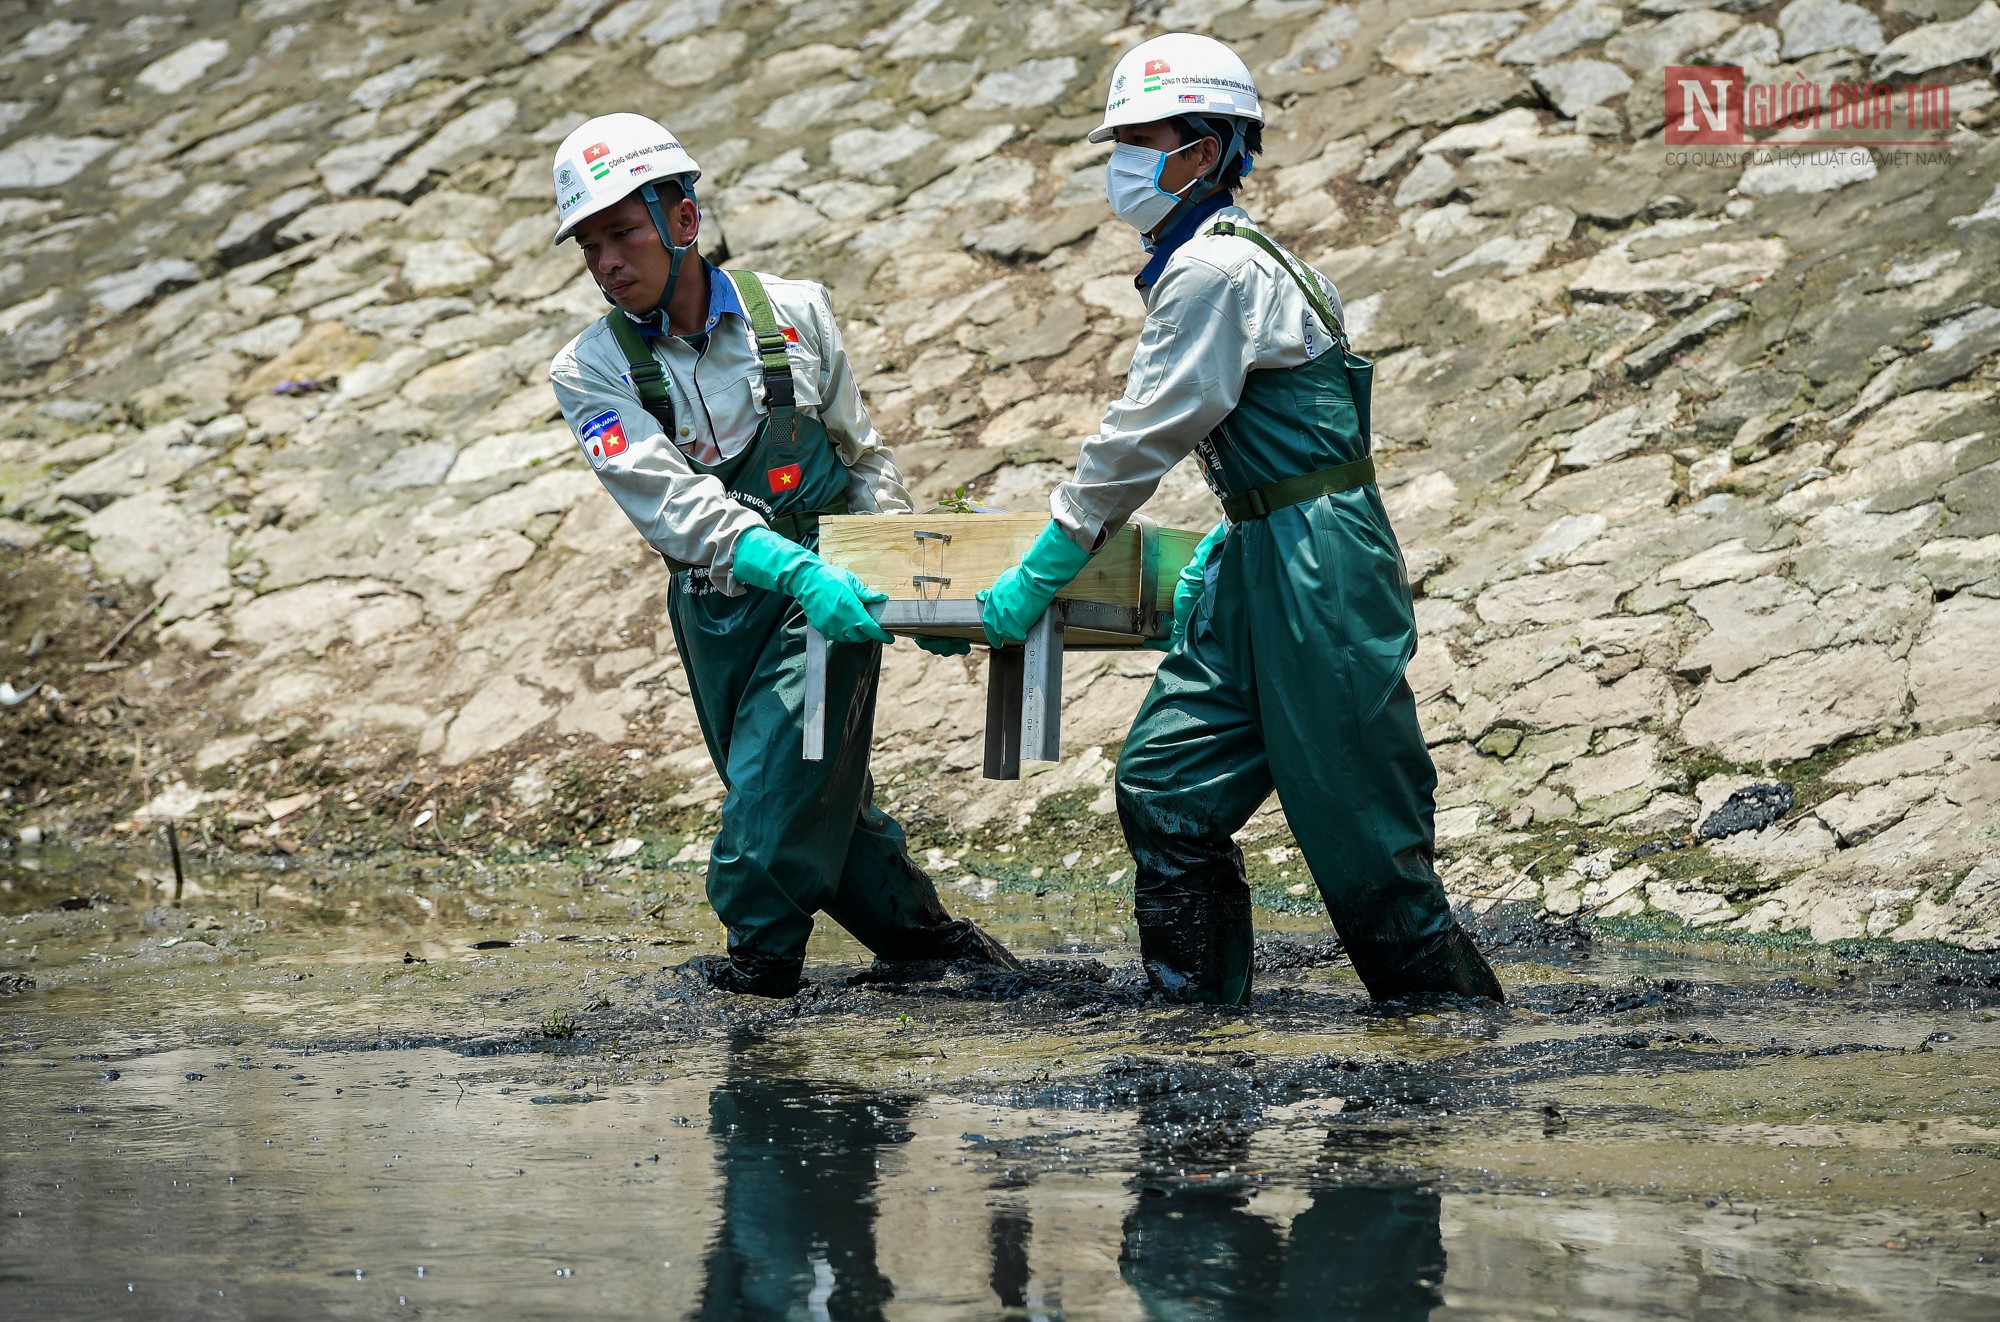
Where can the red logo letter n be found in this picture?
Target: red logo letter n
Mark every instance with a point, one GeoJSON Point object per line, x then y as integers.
{"type": "Point", "coordinates": [1704, 103]}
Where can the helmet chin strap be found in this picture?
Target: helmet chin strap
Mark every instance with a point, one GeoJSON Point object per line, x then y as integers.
{"type": "Point", "coordinates": [1204, 188]}
{"type": "Point", "coordinates": [676, 253]}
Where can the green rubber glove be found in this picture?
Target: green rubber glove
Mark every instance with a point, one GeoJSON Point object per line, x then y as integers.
{"type": "Point", "coordinates": [1189, 587]}
{"type": "Point", "coordinates": [945, 646]}
{"type": "Point", "coordinates": [1017, 600]}
{"type": "Point", "coordinates": [835, 601]}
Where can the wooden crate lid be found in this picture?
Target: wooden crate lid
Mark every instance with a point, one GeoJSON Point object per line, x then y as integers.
{"type": "Point", "coordinates": [954, 556]}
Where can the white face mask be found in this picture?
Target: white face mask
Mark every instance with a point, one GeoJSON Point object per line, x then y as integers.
{"type": "Point", "coordinates": [1132, 184]}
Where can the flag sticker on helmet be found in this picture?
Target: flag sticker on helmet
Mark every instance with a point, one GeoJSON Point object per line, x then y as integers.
{"type": "Point", "coordinates": [1154, 69]}
{"type": "Point", "coordinates": [602, 438]}
{"type": "Point", "coordinates": [594, 158]}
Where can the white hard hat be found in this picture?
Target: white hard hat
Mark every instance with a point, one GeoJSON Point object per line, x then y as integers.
{"type": "Point", "coordinates": [1178, 74]}
{"type": "Point", "coordinates": [611, 157]}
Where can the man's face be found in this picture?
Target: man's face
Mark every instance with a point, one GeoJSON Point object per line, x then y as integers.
{"type": "Point", "coordinates": [1161, 135]}
{"type": "Point", "coordinates": [623, 252]}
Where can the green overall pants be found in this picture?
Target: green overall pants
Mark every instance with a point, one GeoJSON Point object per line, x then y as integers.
{"type": "Point", "coordinates": [797, 837]}
{"type": "Point", "coordinates": [1290, 676]}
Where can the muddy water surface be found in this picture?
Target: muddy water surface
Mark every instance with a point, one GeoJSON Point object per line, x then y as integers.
{"type": "Point", "coordinates": [444, 1089]}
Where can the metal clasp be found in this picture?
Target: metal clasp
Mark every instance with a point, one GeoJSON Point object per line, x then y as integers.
{"type": "Point", "coordinates": [920, 580]}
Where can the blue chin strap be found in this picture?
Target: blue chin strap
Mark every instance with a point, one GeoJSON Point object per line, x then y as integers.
{"type": "Point", "coordinates": [1208, 187]}
{"type": "Point", "coordinates": [676, 255]}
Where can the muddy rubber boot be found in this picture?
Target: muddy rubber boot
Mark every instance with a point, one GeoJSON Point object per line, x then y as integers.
{"type": "Point", "coordinates": [1453, 968]}
{"type": "Point", "coordinates": [748, 975]}
{"type": "Point", "coordinates": [1469, 973]}
{"type": "Point", "coordinates": [965, 942]}
{"type": "Point", "coordinates": [960, 944]}
{"type": "Point", "coordinates": [1198, 948]}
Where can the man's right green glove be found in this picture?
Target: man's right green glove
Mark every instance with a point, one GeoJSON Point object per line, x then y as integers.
{"type": "Point", "coordinates": [835, 601]}
{"type": "Point", "coordinates": [1018, 597]}
{"type": "Point", "coordinates": [1187, 589]}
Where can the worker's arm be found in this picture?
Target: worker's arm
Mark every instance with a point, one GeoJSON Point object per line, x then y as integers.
{"type": "Point", "coordinates": [1186, 376]}
{"type": "Point", "coordinates": [687, 516]}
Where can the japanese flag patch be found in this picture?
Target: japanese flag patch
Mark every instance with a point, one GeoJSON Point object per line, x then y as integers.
{"type": "Point", "coordinates": [602, 438]}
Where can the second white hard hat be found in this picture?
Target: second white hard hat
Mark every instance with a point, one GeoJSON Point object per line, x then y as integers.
{"type": "Point", "coordinates": [611, 157]}
{"type": "Point", "coordinates": [1180, 73]}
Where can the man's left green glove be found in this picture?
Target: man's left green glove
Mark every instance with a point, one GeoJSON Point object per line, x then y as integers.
{"type": "Point", "coordinates": [1188, 587]}
{"type": "Point", "coordinates": [835, 602]}
{"type": "Point", "coordinates": [1013, 604]}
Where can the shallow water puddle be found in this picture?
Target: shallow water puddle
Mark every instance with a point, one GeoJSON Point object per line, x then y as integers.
{"type": "Point", "coordinates": [351, 1108]}
{"type": "Point", "coordinates": [209, 1183]}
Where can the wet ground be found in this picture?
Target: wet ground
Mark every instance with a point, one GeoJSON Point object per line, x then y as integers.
{"type": "Point", "coordinates": [431, 1086]}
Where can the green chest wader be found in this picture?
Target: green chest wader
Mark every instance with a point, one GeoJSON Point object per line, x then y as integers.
{"type": "Point", "coordinates": [1290, 677]}
{"type": "Point", "coordinates": [797, 837]}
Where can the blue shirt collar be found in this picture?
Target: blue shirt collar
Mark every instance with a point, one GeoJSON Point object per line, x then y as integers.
{"type": "Point", "coordinates": [722, 297]}
{"type": "Point", "coordinates": [1182, 230]}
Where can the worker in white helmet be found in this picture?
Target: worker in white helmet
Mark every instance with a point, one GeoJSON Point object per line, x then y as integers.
{"type": "Point", "coordinates": [1294, 624]}
{"type": "Point", "coordinates": [720, 411]}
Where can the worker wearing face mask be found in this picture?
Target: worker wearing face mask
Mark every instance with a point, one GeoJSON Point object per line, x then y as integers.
{"type": "Point", "coordinates": [1293, 625]}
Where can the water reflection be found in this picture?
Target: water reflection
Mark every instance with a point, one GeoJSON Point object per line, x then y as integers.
{"type": "Point", "coordinates": [799, 1169]}
{"type": "Point", "coordinates": [356, 1184]}
{"type": "Point", "coordinates": [1196, 1247]}
{"type": "Point", "coordinates": [1197, 1252]}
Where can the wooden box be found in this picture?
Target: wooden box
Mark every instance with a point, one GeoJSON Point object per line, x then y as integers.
{"type": "Point", "coordinates": [950, 557]}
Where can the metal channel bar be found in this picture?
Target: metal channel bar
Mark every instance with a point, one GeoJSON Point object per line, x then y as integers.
{"type": "Point", "coordinates": [1003, 714]}
{"type": "Point", "coordinates": [815, 707]}
{"type": "Point", "coordinates": [1041, 689]}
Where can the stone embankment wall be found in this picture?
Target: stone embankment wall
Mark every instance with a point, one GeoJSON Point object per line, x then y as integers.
{"type": "Point", "coordinates": [1696, 460]}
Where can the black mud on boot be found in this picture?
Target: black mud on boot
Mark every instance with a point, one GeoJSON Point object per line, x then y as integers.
{"type": "Point", "coordinates": [1198, 948]}
{"type": "Point", "coordinates": [747, 974]}
{"type": "Point", "coordinates": [966, 942]}
{"type": "Point", "coordinates": [1469, 973]}
{"type": "Point", "coordinates": [958, 945]}
{"type": "Point", "coordinates": [1453, 968]}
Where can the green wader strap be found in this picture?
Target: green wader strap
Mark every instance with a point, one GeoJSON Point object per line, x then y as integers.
{"type": "Point", "coordinates": [1315, 296]}
{"type": "Point", "coordinates": [648, 377]}
{"type": "Point", "coordinates": [1258, 502]}
{"type": "Point", "coordinates": [779, 396]}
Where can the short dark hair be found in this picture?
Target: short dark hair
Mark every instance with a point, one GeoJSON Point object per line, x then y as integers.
{"type": "Point", "coordinates": [1192, 128]}
{"type": "Point", "coordinates": [669, 190]}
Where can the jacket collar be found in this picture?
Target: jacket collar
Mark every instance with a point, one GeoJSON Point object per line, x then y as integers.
{"type": "Point", "coordinates": [1182, 230]}
{"type": "Point", "coordinates": [722, 297]}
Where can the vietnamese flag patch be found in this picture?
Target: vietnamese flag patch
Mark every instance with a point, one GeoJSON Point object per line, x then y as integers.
{"type": "Point", "coordinates": [791, 335]}
{"type": "Point", "coordinates": [786, 478]}
{"type": "Point", "coordinates": [602, 437]}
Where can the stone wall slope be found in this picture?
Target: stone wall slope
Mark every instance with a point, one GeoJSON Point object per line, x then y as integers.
{"type": "Point", "coordinates": [1697, 466]}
